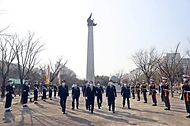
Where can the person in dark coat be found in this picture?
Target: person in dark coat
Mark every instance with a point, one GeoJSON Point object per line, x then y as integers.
{"type": "Point", "coordinates": [144, 90]}
{"type": "Point", "coordinates": [99, 92]}
{"type": "Point", "coordinates": [36, 90]}
{"type": "Point", "coordinates": [50, 90]}
{"type": "Point", "coordinates": [161, 91]}
{"type": "Point", "coordinates": [90, 94]}
{"type": "Point", "coordinates": [55, 90]}
{"type": "Point", "coordinates": [44, 89]}
{"type": "Point", "coordinates": [84, 95]}
{"type": "Point", "coordinates": [111, 95]}
{"type": "Point", "coordinates": [165, 92]}
{"type": "Point", "coordinates": [186, 93]}
{"type": "Point", "coordinates": [125, 93]}
{"type": "Point", "coordinates": [63, 93]}
{"type": "Point", "coordinates": [25, 93]}
{"type": "Point", "coordinates": [153, 92]}
{"type": "Point", "coordinates": [9, 96]}
{"type": "Point", "coordinates": [133, 90]}
{"type": "Point", "coordinates": [75, 96]}
{"type": "Point", "coordinates": [137, 87]}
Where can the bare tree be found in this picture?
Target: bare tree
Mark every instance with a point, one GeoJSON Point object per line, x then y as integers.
{"type": "Point", "coordinates": [170, 66]}
{"type": "Point", "coordinates": [7, 57]}
{"type": "Point", "coordinates": [56, 68]}
{"type": "Point", "coordinates": [119, 76]}
{"type": "Point", "coordinates": [26, 51]}
{"type": "Point", "coordinates": [135, 74]}
{"type": "Point", "coordinates": [146, 61]}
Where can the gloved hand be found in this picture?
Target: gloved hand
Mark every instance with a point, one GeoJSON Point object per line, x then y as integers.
{"type": "Point", "coordinates": [13, 95]}
{"type": "Point", "coordinates": [86, 98]}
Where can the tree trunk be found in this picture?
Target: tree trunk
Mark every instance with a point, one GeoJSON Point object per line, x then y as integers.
{"type": "Point", "coordinates": [3, 87]}
{"type": "Point", "coordinates": [21, 91]}
{"type": "Point", "coordinates": [171, 88]}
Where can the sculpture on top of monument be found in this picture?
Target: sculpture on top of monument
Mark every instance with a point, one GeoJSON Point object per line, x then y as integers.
{"type": "Point", "coordinates": [91, 22]}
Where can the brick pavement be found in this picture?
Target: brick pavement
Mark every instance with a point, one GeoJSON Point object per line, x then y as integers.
{"type": "Point", "coordinates": [49, 114]}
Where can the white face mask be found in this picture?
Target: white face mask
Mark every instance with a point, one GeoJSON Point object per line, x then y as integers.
{"type": "Point", "coordinates": [125, 84]}
{"type": "Point", "coordinates": [75, 85]}
{"type": "Point", "coordinates": [63, 84]}
{"type": "Point", "coordinates": [185, 79]}
{"type": "Point", "coordinates": [164, 81]}
{"type": "Point", "coordinates": [91, 85]}
{"type": "Point", "coordinates": [26, 83]}
{"type": "Point", "coordinates": [111, 83]}
{"type": "Point", "coordinates": [98, 85]}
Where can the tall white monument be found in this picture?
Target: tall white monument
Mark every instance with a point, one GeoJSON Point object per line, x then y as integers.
{"type": "Point", "coordinates": [90, 51]}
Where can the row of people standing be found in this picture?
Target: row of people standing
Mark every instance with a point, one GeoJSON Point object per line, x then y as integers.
{"type": "Point", "coordinates": [127, 91]}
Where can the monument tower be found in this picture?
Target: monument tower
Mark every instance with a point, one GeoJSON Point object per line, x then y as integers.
{"type": "Point", "coordinates": [90, 51]}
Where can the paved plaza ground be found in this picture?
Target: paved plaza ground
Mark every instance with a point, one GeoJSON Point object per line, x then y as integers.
{"type": "Point", "coordinates": [49, 114]}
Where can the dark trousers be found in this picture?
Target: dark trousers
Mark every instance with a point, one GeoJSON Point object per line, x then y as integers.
{"type": "Point", "coordinates": [144, 96]}
{"type": "Point", "coordinates": [63, 103]}
{"type": "Point", "coordinates": [73, 102]}
{"type": "Point", "coordinates": [91, 105]}
{"type": "Point", "coordinates": [167, 101]}
{"type": "Point", "coordinates": [154, 100]}
{"type": "Point", "coordinates": [99, 101]}
{"type": "Point", "coordinates": [24, 98]}
{"type": "Point", "coordinates": [86, 100]}
{"type": "Point", "coordinates": [128, 102]}
{"type": "Point", "coordinates": [55, 93]}
{"type": "Point", "coordinates": [187, 104]}
{"type": "Point", "coordinates": [162, 97]}
{"type": "Point", "coordinates": [44, 94]}
{"type": "Point", "coordinates": [8, 100]}
{"type": "Point", "coordinates": [111, 103]}
{"type": "Point", "coordinates": [133, 94]}
{"type": "Point", "coordinates": [35, 95]}
{"type": "Point", "coordinates": [138, 95]}
{"type": "Point", "coordinates": [50, 93]}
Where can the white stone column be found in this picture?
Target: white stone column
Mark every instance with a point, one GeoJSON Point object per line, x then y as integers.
{"type": "Point", "coordinates": [90, 56]}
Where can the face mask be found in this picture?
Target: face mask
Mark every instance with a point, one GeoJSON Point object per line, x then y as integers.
{"type": "Point", "coordinates": [26, 83]}
{"type": "Point", "coordinates": [125, 84]}
{"type": "Point", "coordinates": [164, 81]}
{"type": "Point", "coordinates": [91, 85]}
{"type": "Point", "coordinates": [98, 85]}
{"type": "Point", "coordinates": [63, 84]}
{"type": "Point", "coordinates": [151, 82]}
{"type": "Point", "coordinates": [184, 79]}
{"type": "Point", "coordinates": [111, 83]}
{"type": "Point", "coordinates": [75, 85]}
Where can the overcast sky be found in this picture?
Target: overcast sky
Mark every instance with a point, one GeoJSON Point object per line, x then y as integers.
{"type": "Point", "coordinates": [124, 27]}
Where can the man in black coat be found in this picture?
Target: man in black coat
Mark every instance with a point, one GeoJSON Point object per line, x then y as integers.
{"type": "Point", "coordinates": [90, 94]}
{"type": "Point", "coordinates": [111, 95]}
{"type": "Point", "coordinates": [44, 89]}
{"type": "Point", "coordinates": [84, 93]}
{"type": "Point", "coordinates": [75, 96]}
{"type": "Point", "coordinates": [36, 89]}
{"type": "Point", "coordinates": [125, 92]}
{"type": "Point", "coordinates": [63, 93]}
{"type": "Point", "coordinates": [9, 96]}
{"type": "Point", "coordinates": [25, 93]}
{"type": "Point", "coordinates": [99, 92]}
{"type": "Point", "coordinates": [50, 90]}
{"type": "Point", "coordinates": [55, 90]}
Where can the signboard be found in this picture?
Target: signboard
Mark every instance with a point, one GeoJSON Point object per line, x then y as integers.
{"type": "Point", "coordinates": [15, 81]}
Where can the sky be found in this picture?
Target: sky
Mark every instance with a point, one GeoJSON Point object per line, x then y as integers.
{"type": "Point", "coordinates": [123, 28]}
